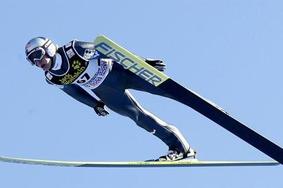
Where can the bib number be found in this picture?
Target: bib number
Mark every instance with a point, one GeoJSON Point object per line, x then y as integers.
{"type": "Point", "coordinates": [83, 79]}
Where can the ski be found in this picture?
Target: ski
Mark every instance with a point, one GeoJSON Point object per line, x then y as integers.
{"type": "Point", "coordinates": [186, 96]}
{"type": "Point", "coordinates": [129, 164]}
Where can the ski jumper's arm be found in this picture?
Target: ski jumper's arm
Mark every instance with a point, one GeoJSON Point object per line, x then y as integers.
{"type": "Point", "coordinates": [80, 95]}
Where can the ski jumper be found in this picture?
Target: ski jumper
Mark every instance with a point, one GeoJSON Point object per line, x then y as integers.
{"type": "Point", "coordinates": [81, 72]}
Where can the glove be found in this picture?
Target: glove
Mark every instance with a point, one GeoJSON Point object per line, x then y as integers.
{"type": "Point", "coordinates": [100, 110]}
{"type": "Point", "coordinates": [156, 63]}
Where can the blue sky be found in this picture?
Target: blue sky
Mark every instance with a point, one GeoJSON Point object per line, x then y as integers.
{"type": "Point", "coordinates": [229, 51]}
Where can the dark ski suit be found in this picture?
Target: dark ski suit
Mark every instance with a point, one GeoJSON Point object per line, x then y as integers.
{"type": "Point", "coordinates": [110, 83]}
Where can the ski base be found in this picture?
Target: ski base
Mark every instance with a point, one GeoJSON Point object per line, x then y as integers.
{"type": "Point", "coordinates": [181, 163]}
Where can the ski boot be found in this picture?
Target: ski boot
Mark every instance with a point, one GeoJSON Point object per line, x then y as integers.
{"type": "Point", "coordinates": [174, 155]}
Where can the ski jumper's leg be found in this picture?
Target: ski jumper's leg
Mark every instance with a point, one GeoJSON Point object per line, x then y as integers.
{"type": "Point", "coordinates": [114, 94]}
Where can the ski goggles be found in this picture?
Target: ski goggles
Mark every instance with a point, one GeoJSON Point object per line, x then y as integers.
{"type": "Point", "coordinates": [36, 55]}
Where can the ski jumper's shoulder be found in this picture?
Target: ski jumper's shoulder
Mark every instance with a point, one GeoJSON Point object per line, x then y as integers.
{"type": "Point", "coordinates": [86, 50]}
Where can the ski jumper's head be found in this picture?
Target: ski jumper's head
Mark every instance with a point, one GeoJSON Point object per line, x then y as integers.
{"type": "Point", "coordinates": [41, 51]}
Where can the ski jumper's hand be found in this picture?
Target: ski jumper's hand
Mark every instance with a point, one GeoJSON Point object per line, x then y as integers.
{"type": "Point", "coordinates": [100, 110]}
{"type": "Point", "coordinates": [156, 63]}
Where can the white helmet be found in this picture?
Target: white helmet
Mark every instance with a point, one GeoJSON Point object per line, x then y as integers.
{"type": "Point", "coordinates": [37, 47]}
